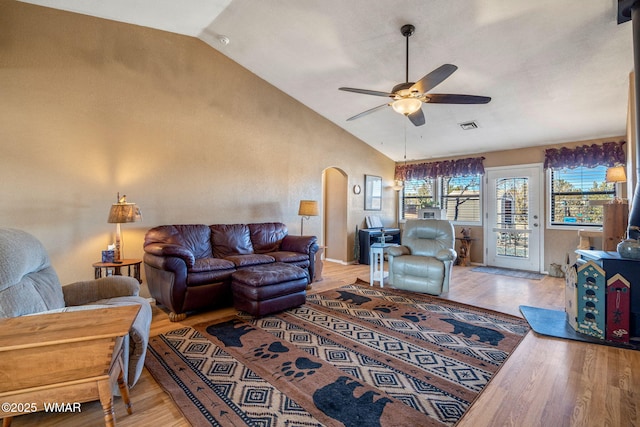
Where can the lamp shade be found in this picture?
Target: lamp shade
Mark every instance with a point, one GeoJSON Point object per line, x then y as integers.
{"type": "Point", "coordinates": [616, 174]}
{"type": "Point", "coordinates": [123, 211]}
{"type": "Point", "coordinates": [308, 208]}
{"type": "Point", "coordinates": [406, 106]}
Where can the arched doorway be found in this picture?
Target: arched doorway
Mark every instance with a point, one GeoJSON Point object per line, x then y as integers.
{"type": "Point", "coordinates": [334, 227]}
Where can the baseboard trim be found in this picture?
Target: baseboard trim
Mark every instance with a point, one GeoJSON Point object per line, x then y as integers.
{"type": "Point", "coordinates": [338, 261]}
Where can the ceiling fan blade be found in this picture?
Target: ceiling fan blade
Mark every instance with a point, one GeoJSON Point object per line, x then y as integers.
{"type": "Point", "coordinates": [366, 91]}
{"type": "Point", "coordinates": [417, 118]}
{"type": "Point", "coordinates": [434, 78]}
{"type": "Point", "coordinates": [446, 98]}
{"type": "Point", "coordinates": [369, 111]}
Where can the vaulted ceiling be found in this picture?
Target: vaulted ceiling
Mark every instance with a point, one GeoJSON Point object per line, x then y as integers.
{"type": "Point", "coordinates": [556, 71]}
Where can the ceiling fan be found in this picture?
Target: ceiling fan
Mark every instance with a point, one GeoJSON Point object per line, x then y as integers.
{"type": "Point", "coordinates": [409, 96]}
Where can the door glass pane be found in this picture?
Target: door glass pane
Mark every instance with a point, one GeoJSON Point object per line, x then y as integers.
{"type": "Point", "coordinates": [512, 217]}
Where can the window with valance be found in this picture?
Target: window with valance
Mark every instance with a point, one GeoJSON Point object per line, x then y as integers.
{"type": "Point", "coordinates": [445, 168]}
{"type": "Point", "coordinates": [452, 185]}
{"type": "Point", "coordinates": [608, 154]}
{"type": "Point", "coordinates": [578, 187]}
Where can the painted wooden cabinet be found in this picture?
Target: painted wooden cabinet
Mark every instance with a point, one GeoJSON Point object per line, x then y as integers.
{"type": "Point", "coordinates": [591, 300]}
{"type": "Point", "coordinates": [627, 271]}
{"type": "Point", "coordinates": [618, 309]}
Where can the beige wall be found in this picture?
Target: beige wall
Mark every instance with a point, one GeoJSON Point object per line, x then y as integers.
{"type": "Point", "coordinates": [557, 243]}
{"type": "Point", "coordinates": [91, 107]}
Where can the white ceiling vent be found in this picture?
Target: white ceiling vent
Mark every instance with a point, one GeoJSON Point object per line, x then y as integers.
{"type": "Point", "coordinates": [469, 125]}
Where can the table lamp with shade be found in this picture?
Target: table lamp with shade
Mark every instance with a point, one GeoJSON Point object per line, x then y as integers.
{"type": "Point", "coordinates": [308, 208]}
{"type": "Point", "coordinates": [616, 175]}
{"type": "Point", "coordinates": [122, 212]}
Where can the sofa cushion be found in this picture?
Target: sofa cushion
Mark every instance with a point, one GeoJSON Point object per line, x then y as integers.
{"type": "Point", "coordinates": [208, 270]}
{"type": "Point", "coordinates": [263, 292]}
{"type": "Point", "coordinates": [285, 256]}
{"type": "Point", "coordinates": [211, 264]}
{"type": "Point", "coordinates": [194, 237]}
{"type": "Point", "coordinates": [230, 239]}
{"type": "Point", "coordinates": [420, 266]}
{"type": "Point", "coordinates": [267, 237]}
{"type": "Point", "coordinates": [251, 259]}
{"type": "Point", "coordinates": [269, 275]}
{"type": "Point", "coordinates": [208, 277]}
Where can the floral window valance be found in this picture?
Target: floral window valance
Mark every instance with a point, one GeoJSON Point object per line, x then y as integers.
{"type": "Point", "coordinates": [607, 154]}
{"type": "Point", "coordinates": [445, 168]}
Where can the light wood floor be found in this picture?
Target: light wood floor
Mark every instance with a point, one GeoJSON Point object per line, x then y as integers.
{"type": "Point", "coordinates": [545, 382]}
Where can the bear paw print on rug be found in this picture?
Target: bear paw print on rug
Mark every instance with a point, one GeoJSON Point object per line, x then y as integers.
{"type": "Point", "coordinates": [415, 316]}
{"type": "Point", "coordinates": [302, 367]}
{"type": "Point", "coordinates": [271, 352]}
{"type": "Point", "coordinates": [385, 308]}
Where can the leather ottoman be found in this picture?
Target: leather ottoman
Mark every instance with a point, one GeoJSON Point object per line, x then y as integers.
{"type": "Point", "coordinates": [268, 288]}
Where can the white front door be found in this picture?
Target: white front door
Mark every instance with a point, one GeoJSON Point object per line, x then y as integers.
{"type": "Point", "coordinates": [513, 217]}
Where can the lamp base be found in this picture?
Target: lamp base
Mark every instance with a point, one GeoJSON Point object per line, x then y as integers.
{"type": "Point", "coordinates": [117, 262]}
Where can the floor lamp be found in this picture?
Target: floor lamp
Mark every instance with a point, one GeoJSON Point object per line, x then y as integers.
{"type": "Point", "coordinates": [308, 208]}
{"type": "Point", "coordinates": [122, 212]}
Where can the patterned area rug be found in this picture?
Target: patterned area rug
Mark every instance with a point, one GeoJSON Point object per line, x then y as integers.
{"type": "Point", "coordinates": [354, 356]}
{"type": "Point", "coordinates": [508, 272]}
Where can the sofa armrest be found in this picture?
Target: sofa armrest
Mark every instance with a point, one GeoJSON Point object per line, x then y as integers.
{"type": "Point", "coordinates": [446, 255]}
{"type": "Point", "coordinates": [171, 250]}
{"type": "Point", "coordinates": [80, 293]}
{"type": "Point", "coordinates": [300, 244]}
{"type": "Point", "coordinates": [398, 251]}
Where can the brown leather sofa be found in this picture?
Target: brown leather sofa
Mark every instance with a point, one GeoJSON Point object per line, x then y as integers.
{"type": "Point", "coordinates": [189, 267]}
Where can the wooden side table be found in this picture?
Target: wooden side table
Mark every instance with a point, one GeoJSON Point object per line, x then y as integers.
{"type": "Point", "coordinates": [63, 358]}
{"type": "Point", "coordinates": [116, 268]}
{"type": "Point", "coordinates": [464, 257]}
{"type": "Point", "coordinates": [317, 276]}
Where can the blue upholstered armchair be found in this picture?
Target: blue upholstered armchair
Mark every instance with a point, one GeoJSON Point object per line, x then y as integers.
{"type": "Point", "coordinates": [424, 261]}
{"type": "Point", "coordinates": [29, 285]}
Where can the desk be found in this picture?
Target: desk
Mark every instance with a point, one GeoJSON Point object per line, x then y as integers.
{"type": "Point", "coordinates": [63, 358]}
{"type": "Point", "coordinates": [376, 266]}
{"type": "Point", "coordinates": [116, 268]}
{"type": "Point", "coordinates": [368, 236]}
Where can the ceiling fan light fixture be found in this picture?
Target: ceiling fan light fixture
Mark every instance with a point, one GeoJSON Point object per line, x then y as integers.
{"type": "Point", "coordinates": [406, 106]}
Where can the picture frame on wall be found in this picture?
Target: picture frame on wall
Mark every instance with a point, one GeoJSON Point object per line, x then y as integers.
{"type": "Point", "coordinates": [372, 193]}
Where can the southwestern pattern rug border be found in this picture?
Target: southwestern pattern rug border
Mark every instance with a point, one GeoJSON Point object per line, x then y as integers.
{"type": "Point", "coordinates": [351, 356]}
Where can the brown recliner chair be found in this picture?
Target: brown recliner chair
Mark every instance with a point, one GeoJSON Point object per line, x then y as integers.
{"type": "Point", "coordinates": [424, 261]}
